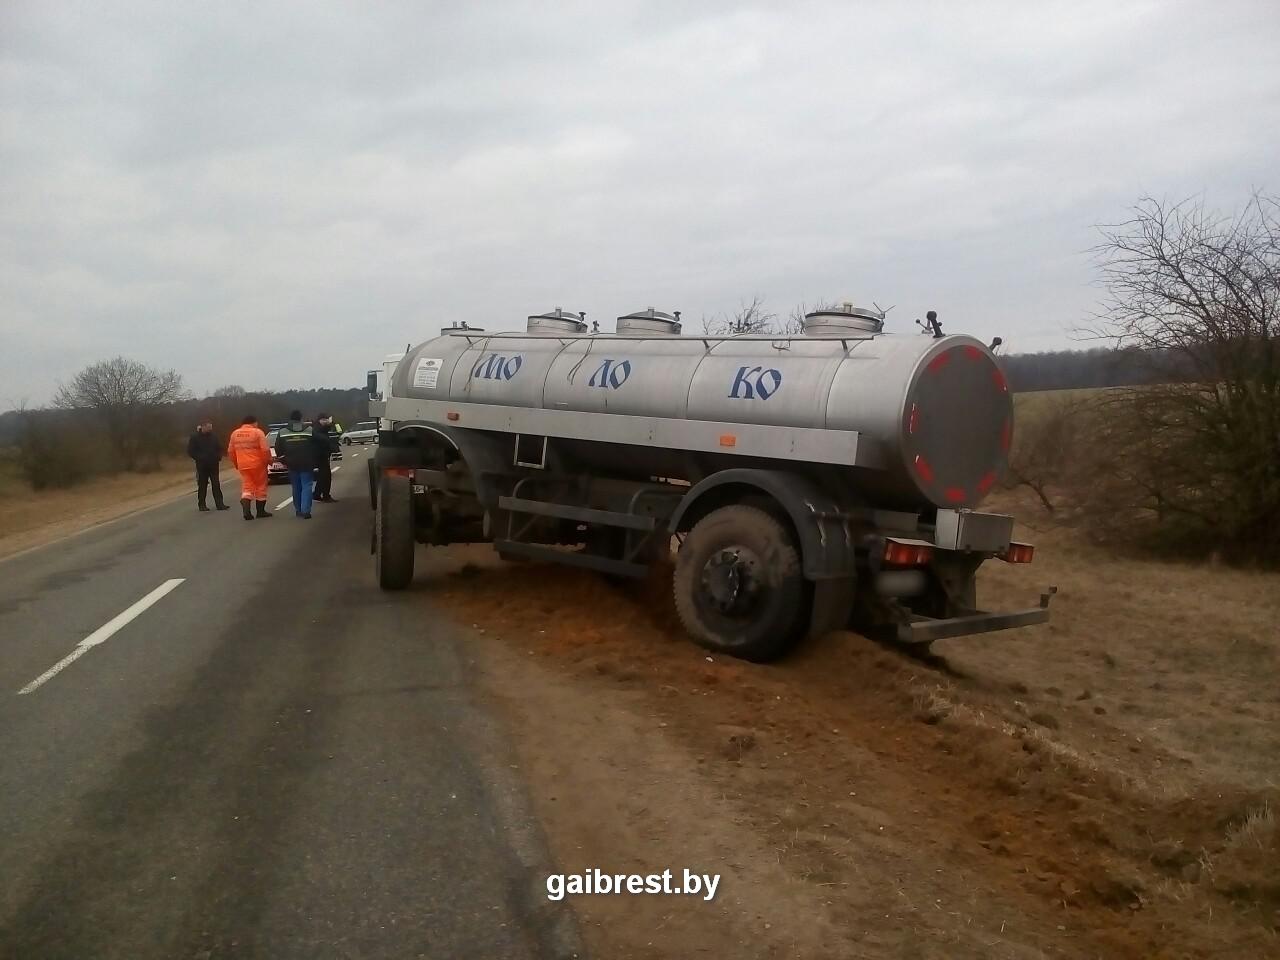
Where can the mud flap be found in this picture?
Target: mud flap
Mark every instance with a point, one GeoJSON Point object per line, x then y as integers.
{"type": "Point", "coordinates": [832, 605]}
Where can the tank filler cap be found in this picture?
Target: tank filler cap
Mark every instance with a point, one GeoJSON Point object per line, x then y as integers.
{"type": "Point", "coordinates": [457, 327]}
{"type": "Point", "coordinates": [843, 318]}
{"type": "Point", "coordinates": [558, 321]}
{"type": "Point", "coordinates": [650, 321]}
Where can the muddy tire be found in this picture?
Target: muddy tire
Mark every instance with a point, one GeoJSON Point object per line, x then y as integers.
{"type": "Point", "coordinates": [393, 533]}
{"type": "Point", "coordinates": [738, 584]}
{"type": "Point", "coordinates": [373, 485]}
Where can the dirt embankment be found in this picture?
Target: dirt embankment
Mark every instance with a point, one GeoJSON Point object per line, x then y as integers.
{"type": "Point", "coordinates": [1019, 795]}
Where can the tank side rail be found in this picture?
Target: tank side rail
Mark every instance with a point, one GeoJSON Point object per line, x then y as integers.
{"type": "Point", "coordinates": [536, 551]}
{"type": "Point", "coordinates": [808, 444]}
{"type": "Point", "coordinates": [926, 629]}
{"type": "Point", "coordinates": [608, 518]}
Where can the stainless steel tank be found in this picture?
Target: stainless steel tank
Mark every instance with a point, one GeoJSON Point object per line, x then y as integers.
{"type": "Point", "coordinates": [939, 408]}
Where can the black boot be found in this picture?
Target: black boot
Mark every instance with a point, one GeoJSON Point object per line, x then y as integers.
{"type": "Point", "coordinates": [202, 508]}
{"type": "Point", "coordinates": [248, 511]}
{"type": "Point", "coordinates": [262, 509]}
{"type": "Point", "coordinates": [222, 506]}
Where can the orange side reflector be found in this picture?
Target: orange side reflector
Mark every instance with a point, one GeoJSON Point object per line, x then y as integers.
{"type": "Point", "coordinates": [398, 471]}
{"type": "Point", "coordinates": [728, 440]}
{"type": "Point", "coordinates": [1018, 552]}
{"type": "Point", "coordinates": [452, 415]}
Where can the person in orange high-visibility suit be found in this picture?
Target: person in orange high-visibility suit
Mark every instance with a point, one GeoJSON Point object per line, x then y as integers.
{"type": "Point", "coordinates": [250, 453]}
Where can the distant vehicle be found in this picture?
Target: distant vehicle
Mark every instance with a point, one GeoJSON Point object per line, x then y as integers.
{"type": "Point", "coordinates": [366, 431]}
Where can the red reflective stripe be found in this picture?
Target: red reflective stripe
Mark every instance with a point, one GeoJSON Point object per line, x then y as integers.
{"type": "Point", "coordinates": [938, 362]}
{"type": "Point", "coordinates": [914, 420]}
{"type": "Point", "coordinates": [923, 468]}
{"type": "Point", "coordinates": [998, 376]}
{"type": "Point", "coordinates": [987, 481]}
{"type": "Point", "coordinates": [1006, 434]}
{"type": "Point", "coordinates": [954, 494]}
{"type": "Point", "coordinates": [972, 352]}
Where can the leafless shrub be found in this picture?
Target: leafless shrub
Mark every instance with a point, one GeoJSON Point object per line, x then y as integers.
{"type": "Point", "coordinates": [1195, 454]}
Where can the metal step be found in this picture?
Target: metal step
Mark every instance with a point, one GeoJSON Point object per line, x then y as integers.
{"type": "Point", "coordinates": [537, 551]}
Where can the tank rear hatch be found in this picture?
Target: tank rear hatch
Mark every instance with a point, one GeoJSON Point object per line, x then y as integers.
{"type": "Point", "coordinates": [957, 424]}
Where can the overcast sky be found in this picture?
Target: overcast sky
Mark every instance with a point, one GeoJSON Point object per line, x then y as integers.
{"type": "Point", "coordinates": [276, 195]}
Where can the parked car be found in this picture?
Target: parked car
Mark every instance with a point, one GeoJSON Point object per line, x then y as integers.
{"type": "Point", "coordinates": [366, 431]}
{"type": "Point", "coordinates": [277, 472]}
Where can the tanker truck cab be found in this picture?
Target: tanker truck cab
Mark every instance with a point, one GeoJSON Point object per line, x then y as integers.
{"type": "Point", "coordinates": [804, 483]}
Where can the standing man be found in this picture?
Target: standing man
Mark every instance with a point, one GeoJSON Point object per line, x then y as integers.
{"type": "Point", "coordinates": [250, 454]}
{"type": "Point", "coordinates": [206, 451]}
{"type": "Point", "coordinates": [327, 441]}
{"type": "Point", "coordinates": [298, 447]}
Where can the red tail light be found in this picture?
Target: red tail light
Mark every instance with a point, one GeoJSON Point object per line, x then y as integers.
{"type": "Point", "coordinates": [1018, 552]}
{"type": "Point", "coordinates": [906, 553]}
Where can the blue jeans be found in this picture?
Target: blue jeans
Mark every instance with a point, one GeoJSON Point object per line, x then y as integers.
{"type": "Point", "coordinates": [302, 481]}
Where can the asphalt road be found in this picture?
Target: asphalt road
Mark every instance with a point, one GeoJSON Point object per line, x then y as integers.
{"type": "Point", "coordinates": [272, 759]}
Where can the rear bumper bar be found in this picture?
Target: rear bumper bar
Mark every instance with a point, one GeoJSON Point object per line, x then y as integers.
{"type": "Point", "coordinates": [926, 630]}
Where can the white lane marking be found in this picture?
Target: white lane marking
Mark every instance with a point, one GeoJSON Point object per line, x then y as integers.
{"type": "Point", "coordinates": [284, 503]}
{"type": "Point", "coordinates": [336, 469]}
{"type": "Point", "coordinates": [103, 634]}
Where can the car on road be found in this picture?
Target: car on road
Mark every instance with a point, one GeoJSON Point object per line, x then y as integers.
{"type": "Point", "coordinates": [277, 472]}
{"type": "Point", "coordinates": [335, 451]}
{"type": "Point", "coordinates": [366, 431]}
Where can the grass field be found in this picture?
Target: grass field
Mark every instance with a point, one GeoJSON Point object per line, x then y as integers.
{"type": "Point", "coordinates": [29, 518]}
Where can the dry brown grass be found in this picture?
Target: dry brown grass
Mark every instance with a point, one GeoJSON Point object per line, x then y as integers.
{"type": "Point", "coordinates": [1176, 656]}
{"type": "Point", "coordinates": [29, 518]}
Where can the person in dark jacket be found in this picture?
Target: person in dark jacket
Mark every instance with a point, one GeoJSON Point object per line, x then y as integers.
{"type": "Point", "coordinates": [327, 441]}
{"type": "Point", "coordinates": [205, 449]}
{"type": "Point", "coordinates": [299, 449]}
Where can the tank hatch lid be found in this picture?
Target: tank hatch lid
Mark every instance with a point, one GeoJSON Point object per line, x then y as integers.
{"type": "Point", "coordinates": [843, 318]}
{"type": "Point", "coordinates": [558, 321]}
{"type": "Point", "coordinates": [650, 321]}
{"type": "Point", "coordinates": [462, 327]}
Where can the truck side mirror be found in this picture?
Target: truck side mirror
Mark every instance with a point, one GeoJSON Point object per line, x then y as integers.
{"type": "Point", "coordinates": [371, 385]}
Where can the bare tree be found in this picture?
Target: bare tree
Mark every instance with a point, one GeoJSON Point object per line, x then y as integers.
{"type": "Point", "coordinates": [1198, 295]}
{"type": "Point", "coordinates": [750, 317]}
{"type": "Point", "coordinates": [232, 391]}
{"type": "Point", "coordinates": [125, 395]}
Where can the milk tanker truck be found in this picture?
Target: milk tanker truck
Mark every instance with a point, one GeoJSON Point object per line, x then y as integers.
{"type": "Point", "coordinates": [805, 483]}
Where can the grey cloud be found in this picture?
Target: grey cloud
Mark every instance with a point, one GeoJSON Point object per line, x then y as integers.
{"type": "Point", "coordinates": [278, 194]}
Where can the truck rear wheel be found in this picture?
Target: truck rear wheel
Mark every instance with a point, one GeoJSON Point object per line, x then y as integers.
{"type": "Point", "coordinates": [393, 533]}
{"type": "Point", "coordinates": [738, 584]}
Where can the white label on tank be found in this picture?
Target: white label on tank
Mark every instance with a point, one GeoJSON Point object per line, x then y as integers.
{"type": "Point", "coordinates": [427, 373]}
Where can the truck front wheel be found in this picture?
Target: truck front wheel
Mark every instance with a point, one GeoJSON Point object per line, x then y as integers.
{"type": "Point", "coordinates": [738, 585]}
{"type": "Point", "coordinates": [393, 533]}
